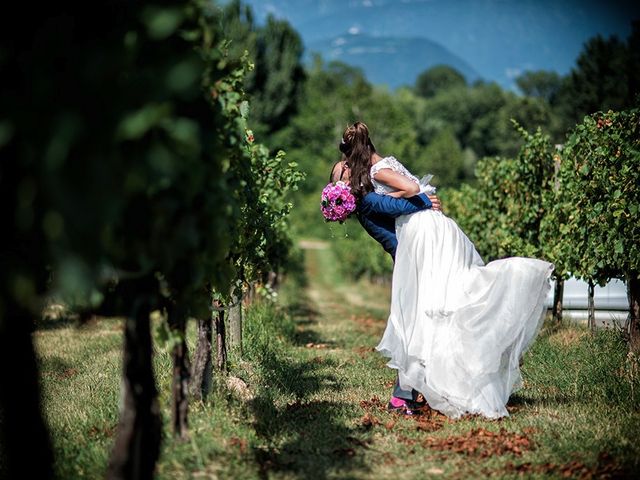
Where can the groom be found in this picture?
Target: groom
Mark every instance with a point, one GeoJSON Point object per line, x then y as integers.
{"type": "Point", "coordinates": [377, 214]}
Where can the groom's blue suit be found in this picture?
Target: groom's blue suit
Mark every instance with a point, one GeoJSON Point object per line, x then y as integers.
{"type": "Point", "coordinates": [377, 214]}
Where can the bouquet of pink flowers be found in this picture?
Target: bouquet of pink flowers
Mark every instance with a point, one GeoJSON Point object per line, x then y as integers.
{"type": "Point", "coordinates": [337, 202]}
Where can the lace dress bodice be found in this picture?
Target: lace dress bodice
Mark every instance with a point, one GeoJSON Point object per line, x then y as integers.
{"type": "Point", "coordinates": [393, 164]}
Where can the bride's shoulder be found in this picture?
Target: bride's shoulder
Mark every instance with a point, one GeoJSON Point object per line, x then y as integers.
{"type": "Point", "coordinates": [391, 160]}
{"type": "Point", "coordinates": [385, 162]}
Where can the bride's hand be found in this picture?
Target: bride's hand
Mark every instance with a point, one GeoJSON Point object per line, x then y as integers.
{"type": "Point", "coordinates": [435, 203]}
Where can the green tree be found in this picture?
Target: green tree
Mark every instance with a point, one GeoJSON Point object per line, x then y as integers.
{"type": "Point", "coordinates": [276, 81]}
{"type": "Point", "coordinates": [633, 64]}
{"type": "Point", "coordinates": [437, 79]}
{"type": "Point", "coordinates": [462, 109]}
{"type": "Point", "coordinates": [541, 84]}
{"type": "Point", "coordinates": [275, 49]}
{"type": "Point", "coordinates": [493, 133]}
{"type": "Point", "coordinates": [445, 159]}
{"type": "Point", "coordinates": [237, 26]}
{"type": "Point", "coordinates": [605, 77]}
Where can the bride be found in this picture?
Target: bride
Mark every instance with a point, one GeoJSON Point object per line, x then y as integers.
{"type": "Point", "coordinates": [457, 328]}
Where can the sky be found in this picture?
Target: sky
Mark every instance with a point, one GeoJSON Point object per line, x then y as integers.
{"type": "Point", "coordinates": [499, 39]}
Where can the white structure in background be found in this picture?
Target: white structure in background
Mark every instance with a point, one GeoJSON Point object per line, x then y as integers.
{"type": "Point", "coordinates": [611, 302]}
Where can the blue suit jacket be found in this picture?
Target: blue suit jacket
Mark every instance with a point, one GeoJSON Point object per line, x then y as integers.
{"type": "Point", "coordinates": [377, 214]}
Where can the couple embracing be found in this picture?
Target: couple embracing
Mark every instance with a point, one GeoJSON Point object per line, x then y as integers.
{"type": "Point", "coordinates": [457, 328]}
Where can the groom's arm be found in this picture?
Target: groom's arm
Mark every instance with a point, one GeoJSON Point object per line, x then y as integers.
{"type": "Point", "coordinates": [373, 203]}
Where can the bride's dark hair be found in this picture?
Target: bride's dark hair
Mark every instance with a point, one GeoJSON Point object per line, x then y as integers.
{"type": "Point", "coordinates": [357, 149]}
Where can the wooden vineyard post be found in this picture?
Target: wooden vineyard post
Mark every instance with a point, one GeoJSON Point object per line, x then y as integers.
{"type": "Point", "coordinates": [137, 444]}
{"type": "Point", "coordinates": [221, 340]}
{"type": "Point", "coordinates": [181, 374]}
{"type": "Point", "coordinates": [202, 363]}
{"type": "Point", "coordinates": [591, 308]}
{"type": "Point", "coordinates": [633, 293]}
{"type": "Point", "coordinates": [557, 300]}
{"type": "Point", "coordinates": [235, 321]}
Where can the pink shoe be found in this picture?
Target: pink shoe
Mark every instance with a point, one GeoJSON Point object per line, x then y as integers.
{"type": "Point", "coordinates": [397, 405]}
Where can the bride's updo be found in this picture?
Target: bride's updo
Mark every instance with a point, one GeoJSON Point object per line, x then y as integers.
{"type": "Point", "coordinates": [357, 149]}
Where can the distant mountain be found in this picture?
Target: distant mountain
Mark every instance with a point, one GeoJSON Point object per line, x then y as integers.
{"type": "Point", "coordinates": [499, 39]}
{"type": "Point", "coordinates": [392, 61]}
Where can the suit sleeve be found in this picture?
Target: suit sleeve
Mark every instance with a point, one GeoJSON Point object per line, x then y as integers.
{"type": "Point", "coordinates": [373, 203]}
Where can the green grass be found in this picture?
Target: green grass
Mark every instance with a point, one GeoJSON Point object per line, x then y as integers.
{"type": "Point", "coordinates": [316, 396]}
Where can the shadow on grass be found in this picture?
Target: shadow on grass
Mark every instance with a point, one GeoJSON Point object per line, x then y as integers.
{"type": "Point", "coordinates": [55, 323]}
{"type": "Point", "coordinates": [56, 367]}
{"type": "Point", "coordinates": [520, 400]}
{"type": "Point", "coordinates": [303, 312]}
{"type": "Point", "coordinates": [304, 316]}
{"type": "Point", "coordinates": [306, 437]}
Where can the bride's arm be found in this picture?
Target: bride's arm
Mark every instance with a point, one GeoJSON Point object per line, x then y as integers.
{"type": "Point", "coordinates": [403, 186]}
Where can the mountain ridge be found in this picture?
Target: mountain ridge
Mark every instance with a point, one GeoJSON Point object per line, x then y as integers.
{"type": "Point", "coordinates": [389, 60]}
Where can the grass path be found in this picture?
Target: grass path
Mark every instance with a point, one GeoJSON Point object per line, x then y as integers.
{"type": "Point", "coordinates": [314, 405]}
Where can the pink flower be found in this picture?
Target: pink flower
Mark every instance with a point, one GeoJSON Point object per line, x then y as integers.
{"type": "Point", "coordinates": [337, 202]}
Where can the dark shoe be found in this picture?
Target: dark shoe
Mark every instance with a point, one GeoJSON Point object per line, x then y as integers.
{"type": "Point", "coordinates": [418, 405]}
{"type": "Point", "coordinates": [408, 409]}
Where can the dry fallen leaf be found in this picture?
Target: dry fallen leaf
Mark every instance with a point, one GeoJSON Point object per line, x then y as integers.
{"type": "Point", "coordinates": [483, 443]}
{"type": "Point", "coordinates": [369, 420]}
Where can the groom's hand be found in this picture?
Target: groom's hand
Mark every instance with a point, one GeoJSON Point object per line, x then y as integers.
{"type": "Point", "coordinates": [435, 203]}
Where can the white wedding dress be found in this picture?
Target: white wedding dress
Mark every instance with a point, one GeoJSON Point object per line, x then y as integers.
{"type": "Point", "coordinates": [457, 327]}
